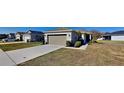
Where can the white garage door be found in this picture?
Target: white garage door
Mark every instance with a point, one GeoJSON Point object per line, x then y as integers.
{"type": "Point", "coordinates": [57, 39]}
{"type": "Point", "coordinates": [121, 38]}
{"type": "Point", "coordinates": [27, 38]}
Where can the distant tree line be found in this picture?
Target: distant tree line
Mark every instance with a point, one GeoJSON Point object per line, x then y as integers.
{"type": "Point", "coordinates": [3, 36]}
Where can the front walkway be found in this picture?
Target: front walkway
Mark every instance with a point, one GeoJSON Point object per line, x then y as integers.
{"type": "Point", "coordinates": [83, 47]}
{"type": "Point", "coordinates": [5, 60]}
{"type": "Point", "coordinates": [22, 55]}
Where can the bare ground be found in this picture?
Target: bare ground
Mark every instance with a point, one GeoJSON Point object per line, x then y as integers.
{"type": "Point", "coordinates": [104, 54]}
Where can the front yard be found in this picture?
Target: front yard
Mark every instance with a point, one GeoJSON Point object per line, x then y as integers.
{"type": "Point", "coordinates": [0, 41]}
{"type": "Point", "coordinates": [14, 46]}
{"type": "Point", "coordinates": [99, 54]}
{"type": "Point", "coordinates": [110, 41]}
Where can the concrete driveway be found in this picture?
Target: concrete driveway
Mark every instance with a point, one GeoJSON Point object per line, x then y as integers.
{"type": "Point", "coordinates": [5, 60]}
{"type": "Point", "coordinates": [22, 55]}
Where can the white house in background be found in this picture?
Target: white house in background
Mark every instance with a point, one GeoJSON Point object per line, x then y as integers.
{"type": "Point", "coordinates": [9, 37]}
{"type": "Point", "coordinates": [19, 36]}
{"type": "Point", "coordinates": [33, 36]}
{"type": "Point", "coordinates": [116, 36]}
{"type": "Point", "coordinates": [60, 37]}
{"type": "Point", "coordinates": [8, 40]}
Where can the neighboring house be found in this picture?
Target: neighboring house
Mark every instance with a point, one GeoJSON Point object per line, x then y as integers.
{"type": "Point", "coordinates": [117, 36]}
{"type": "Point", "coordinates": [33, 36]}
{"type": "Point", "coordinates": [8, 37]}
{"type": "Point", "coordinates": [8, 40]}
{"type": "Point", "coordinates": [11, 35]}
{"type": "Point", "coordinates": [60, 37]}
{"type": "Point", "coordinates": [107, 37]}
{"type": "Point", "coordinates": [19, 36]}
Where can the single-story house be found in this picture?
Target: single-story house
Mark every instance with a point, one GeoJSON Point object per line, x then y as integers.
{"type": "Point", "coordinates": [60, 37]}
{"type": "Point", "coordinates": [19, 36]}
{"type": "Point", "coordinates": [33, 36]}
{"type": "Point", "coordinates": [107, 37]}
{"type": "Point", "coordinates": [117, 36]}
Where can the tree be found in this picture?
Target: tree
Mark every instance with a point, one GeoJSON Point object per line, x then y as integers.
{"type": "Point", "coordinates": [96, 35]}
{"type": "Point", "coordinates": [3, 36]}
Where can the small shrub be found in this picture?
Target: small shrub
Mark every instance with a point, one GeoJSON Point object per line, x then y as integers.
{"type": "Point", "coordinates": [46, 42]}
{"type": "Point", "coordinates": [68, 43]}
{"type": "Point", "coordinates": [92, 41]}
{"type": "Point", "coordinates": [95, 42]}
{"type": "Point", "coordinates": [77, 44]}
{"type": "Point", "coordinates": [82, 41]}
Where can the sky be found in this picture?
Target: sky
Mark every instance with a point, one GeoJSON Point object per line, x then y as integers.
{"type": "Point", "coordinates": [24, 29]}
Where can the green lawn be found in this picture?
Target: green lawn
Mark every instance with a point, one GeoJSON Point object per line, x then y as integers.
{"type": "Point", "coordinates": [110, 41]}
{"type": "Point", "coordinates": [0, 40]}
{"type": "Point", "coordinates": [8, 47]}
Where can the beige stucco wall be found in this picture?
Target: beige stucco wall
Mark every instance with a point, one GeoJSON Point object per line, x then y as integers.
{"type": "Point", "coordinates": [74, 37]}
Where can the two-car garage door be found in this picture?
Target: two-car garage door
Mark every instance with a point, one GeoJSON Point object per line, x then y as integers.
{"type": "Point", "coordinates": [57, 39]}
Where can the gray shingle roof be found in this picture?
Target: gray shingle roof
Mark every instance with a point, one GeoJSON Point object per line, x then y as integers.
{"type": "Point", "coordinates": [59, 31]}
{"type": "Point", "coordinates": [115, 33]}
{"type": "Point", "coordinates": [37, 32]}
{"type": "Point", "coordinates": [21, 33]}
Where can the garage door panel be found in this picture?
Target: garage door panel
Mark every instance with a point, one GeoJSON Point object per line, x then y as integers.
{"type": "Point", "coordinates": [57, 40]}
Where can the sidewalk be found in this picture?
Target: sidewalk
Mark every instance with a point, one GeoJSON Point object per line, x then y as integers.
{"type": "Point", "coordinates": [5, 60]}
{"type": "Point", "coordinates": [83, 47]}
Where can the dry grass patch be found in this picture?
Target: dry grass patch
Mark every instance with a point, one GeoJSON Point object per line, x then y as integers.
{"type": "Point", "coordinates": [105, 54]}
